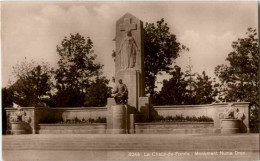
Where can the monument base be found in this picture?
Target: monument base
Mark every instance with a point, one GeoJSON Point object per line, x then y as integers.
{"type": "Point", "coordinates": [130, 79]}
{"type": "Point", "coordinates": [118, 119]}
{"type": "Point", "coordinates": [230, 126]}
{"type": "Point", "coordinates": [132, 114]}
{"type": "Point", "coordinates": [118, 131]}
{"type": "Point", "coordinates": [144, 104]}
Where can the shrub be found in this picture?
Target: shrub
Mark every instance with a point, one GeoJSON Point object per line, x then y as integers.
{"type": "Point", "coordinates": [180, 118]}
{"type": "Point", "coordinates": [76, 120]}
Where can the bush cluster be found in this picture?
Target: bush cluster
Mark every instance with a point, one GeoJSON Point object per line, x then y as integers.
{"type": "Point", "coordinates": [180, 118]}
{"type": "Point", "coordinates": [89, 120]}
{"type": "Point", "coordinates": [81, 121]}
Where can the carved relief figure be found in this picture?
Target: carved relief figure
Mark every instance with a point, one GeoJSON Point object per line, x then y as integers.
{"type": "Point", "coordinates": [114, 87]}
{"type": "Point", "coordinates": [127, 52]}
{"type": "Point", "coordinates": [231, 112]}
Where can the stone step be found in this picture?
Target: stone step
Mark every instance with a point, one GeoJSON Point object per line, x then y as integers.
{"type": "Point", "coordinates": [140, 128]}
{"type": "Point", "coordinates": [92, 131]}
{"type": "Point", "coordinates": [121, 147]}
{"type": "Point", "coordinates": [173, 125]}
{"type": "Point", "coordinates": [72, 126]}
{"type": "Point", "coordinates": [175, 131]}
{"type": "Point", "coordinates": [137, 131]}
{"type": "Point", "coordinates": [131, 142]}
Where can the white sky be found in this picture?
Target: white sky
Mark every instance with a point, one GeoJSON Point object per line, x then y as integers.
{"type": "Point", "coordinates": [33, 29]}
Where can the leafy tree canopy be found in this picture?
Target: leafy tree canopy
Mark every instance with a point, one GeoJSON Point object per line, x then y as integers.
{"type": "Point", "coordinates": [240, 78]}
{"type": "Point", "coordinates": [98, 93]}
{"type": "Point", "coordinates": [205, 89]}
{"type": "Point", "coordinates": [77, 70]}
{"type": "Point", "coordinates": [7, 98]}
{"type": "Point", "coordinates": [33, 83]}
{"type": "Point", "coordinates": [176, 90]}
{"type": "Point", "coordinates": [191, 80]}
{"type": "Point", "coordinates": [160, 49]}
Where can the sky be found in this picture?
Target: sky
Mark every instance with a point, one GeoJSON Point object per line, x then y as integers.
{"type": "Point", "coordinates": [33, 29]}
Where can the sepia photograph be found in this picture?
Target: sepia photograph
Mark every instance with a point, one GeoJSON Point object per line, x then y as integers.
{"type": "Point", "coordinates": [129, 80]}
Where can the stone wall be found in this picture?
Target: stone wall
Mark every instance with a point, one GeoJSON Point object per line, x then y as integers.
{"type": "Point", "coordinates": [185, 110]}
{"type": "Point", "coordinates": [174, 127]}
{"type": "Point", "coordinates": [64, 114]}
{"type": "Point", "coordinates": [209, 110]}
{"type": "Point", "coordinates": [94, 128]}
{"type": "Point", "coordinates": [41, 115]}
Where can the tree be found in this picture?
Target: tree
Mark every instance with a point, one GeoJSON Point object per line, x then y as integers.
{"type": "Point", "coordinates": [174, 91]}
{"type": "Point", "coordinates": [7, 98]}
{"type": "Point", "coordinates": [240, 78]}
{"type": "Point", "coordinates": [98, 93]}
{"type": "Point", "coordinates": [204, 89]}
{"type": "Point", "coordinates": [190, 78]}
{"type": "Point", "coordinates": [33, 83]}
{"type": "Point", "coordinates": [177, 90]}
{"type": "Point", "coordinates": [76, 71]}
{"type": "Point", "coordinates": [160, 49]}
{"type": "Point", "coordinates": [7, 101]}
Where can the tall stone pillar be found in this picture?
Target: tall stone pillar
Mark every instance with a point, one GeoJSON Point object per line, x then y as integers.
{"type": "Point", "coordinates": [129, 67]}
{"type": "Point", "coordinates": [129, 62]}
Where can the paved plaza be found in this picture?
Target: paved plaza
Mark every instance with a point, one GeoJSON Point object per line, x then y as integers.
{"type": "Point", "coordinates": [131, 147]}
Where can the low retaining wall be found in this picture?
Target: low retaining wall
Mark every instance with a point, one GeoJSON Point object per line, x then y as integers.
{"type": "Point", "coordinates": [65, 114]}
{"type": "Point", "coordinates": [140, 128]}
{"type": "Point", "coordinates": [174, 127]}
{"type": "Point", "coordinates": [95, 128]}
{"type": "Point", "coordinates": [41, 115]}
{"type": "Point", "coordinates": [210, 110]}
{"type": "Point", "coordinates": [185, 110]}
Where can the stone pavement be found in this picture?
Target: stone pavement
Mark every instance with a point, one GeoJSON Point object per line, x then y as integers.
{"type": "Point", "coordinates": [131, 147]}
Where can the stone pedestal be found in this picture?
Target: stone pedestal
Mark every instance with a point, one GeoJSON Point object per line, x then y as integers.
{"type": "Point", "coordinates": [136, 103]}
{"type": "Point", "coordinates": [230, 126]}
{"type": "Point", "coordinates": [118, 119]}
{"type": "Point", "coordinates": [113, 115]}
{"type": "Point", "coordinates": [34, 115]}
{"type": "Point", "coordinates": [20, 128]}
{"type": "Point", "coordinates": [110, 102]}
{"type": "Point", "coordinates": [243, 108]}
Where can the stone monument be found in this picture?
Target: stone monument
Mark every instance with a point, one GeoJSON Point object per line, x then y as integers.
{"type": "Point", "coordinates": [129, 63]}
{"type": "Point", "coordinates": [129, 67]}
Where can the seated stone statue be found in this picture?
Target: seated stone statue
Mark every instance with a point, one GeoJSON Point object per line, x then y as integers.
{"type": "Point", "coordinates": [120, 94]}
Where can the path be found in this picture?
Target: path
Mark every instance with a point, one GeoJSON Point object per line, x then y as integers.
{"type": "Point", "coordinates": [131, 147]}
